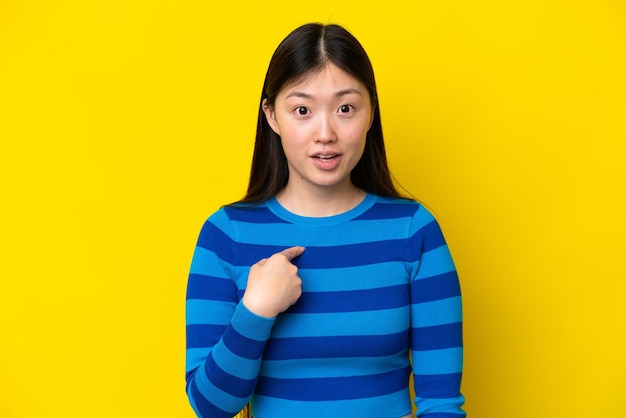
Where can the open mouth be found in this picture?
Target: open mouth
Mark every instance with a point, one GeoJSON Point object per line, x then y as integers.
{"type": "Point", "coordinates": [326, 161]}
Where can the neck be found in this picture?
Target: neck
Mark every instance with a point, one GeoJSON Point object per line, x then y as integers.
{"type": "Point", "coordinates": [317, 202]}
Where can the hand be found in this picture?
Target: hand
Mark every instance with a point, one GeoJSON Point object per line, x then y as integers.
{"type": "Point", "coordinates": [273, 284]}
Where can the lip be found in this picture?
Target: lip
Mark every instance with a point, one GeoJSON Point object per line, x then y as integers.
{"type": "Point", "coordinates": [325, 153]}
{"type": "Point", "coordinates": [325, 160]}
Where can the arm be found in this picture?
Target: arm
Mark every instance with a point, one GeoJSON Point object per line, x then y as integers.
{"type": "Point", "coordinates": [226, 335]}
{"type": "Point", "coordinates": [225, 340]}
{"type": "Point", "coordinates": [436, 323]}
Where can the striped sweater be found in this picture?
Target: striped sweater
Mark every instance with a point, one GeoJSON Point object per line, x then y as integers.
{"type": "Point", "coordinates": [380, 299]}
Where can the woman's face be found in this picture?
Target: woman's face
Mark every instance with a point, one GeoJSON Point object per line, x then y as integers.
{"type": "Point", "coordinates": [322, 122]}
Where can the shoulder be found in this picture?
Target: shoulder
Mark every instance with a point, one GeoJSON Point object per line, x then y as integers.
{"type": "Point", "coordinates": [418, 216]}
{"type": "Point", "coordinates": [229, 217]}
{"type": "Point", "coordinates": [392, 208]}
{"type": "Point", "coordinates": [223, 226]}
{"type": "Point", "coordinates": [248, 213]}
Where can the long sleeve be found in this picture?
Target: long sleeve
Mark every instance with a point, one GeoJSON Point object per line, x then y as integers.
{"type": "Point", "coordinates": [225, 341]}
{"type": "Point", "coordinates": [378, 282]}
{"type": "Point", "coordinates": [436, 323]}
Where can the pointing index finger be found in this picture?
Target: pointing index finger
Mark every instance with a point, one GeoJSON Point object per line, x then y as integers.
{"type": "Point", "coordinates": [292, 252]}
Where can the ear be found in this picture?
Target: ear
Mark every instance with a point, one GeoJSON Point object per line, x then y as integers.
{"type": "Point", "coordinates": [270, 116]}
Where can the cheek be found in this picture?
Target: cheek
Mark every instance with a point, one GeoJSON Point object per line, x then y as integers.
{"type": "Point", "coordinates": [293, 143]}
{"type": "Point", "coordinates": [294, 136]}
{"type": "Point", "coordinates": [356, 130]}
{"type": "Point", "coordinates": [356, 140]}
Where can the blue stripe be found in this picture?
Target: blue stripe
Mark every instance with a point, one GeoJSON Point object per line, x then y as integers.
{"type": "Point", "coordinates": [209, 287]}
{"type": "Point", "coordinates": [234, 365]}
{"type": "Point", "coordinates": [433, 237]}
{"type": "Point", "coordinates": [336, 346]}
{"type": "Point", "coordinates": [242, 345]}
{"type": "Point", "coordinates": [369, 277]}
{"type": "Point", "coordinates": [199, 336]}
{"type": "Point", "coordinates": [448, 360]}
{"type": "Point", "coordinates": [214, 239]}
{"type": "Point", "coordinates": [208, 312]}
{"type": "Point", "coordinates": [388, 321]}
{"type": "Point", "coordinates": [422, 218]}
{"type": "Point", "coordinates": [288, 234]}
{"type": "Point", "coordinates": [353, 301]}
{"type": "Point", "coordinates": [251, 325]}
{"type": "Point", "coordinates": [339, 256]}
{"type": "Point", "coordinates": [233, 385]}
{"type": "Point", "coordinates": [435, 262]}
{"type": "Point", "coordinates": [252, 214]}
{"type": "Point", "coordinates": [249, 254]}
{"type": "Point", "coordinates": [437, 337]}
{"type": "Point", "coordinates": [383, 210]}
{"type": "Point", "coordinates": [215, 398]}
{"type": "Point", "coordinates": [438, 312]}
{"type": "Point", "coordinates": [205, 260]}
{"type": "Point", "coordinates": [441, 286]}
{"type": "Point", "coordinates": [354, 254]}
{"type": "Point", "coordinates": [329, 389]}
{"type": "Point", "coordinates": [340, 367]}
{"type": "Point", "coordinates": [437, 385]}
{"type": "Point", "coordinates": [204, 407]}
{"type": "Point", "coordinates": [194, 357]}
{"type": "Point", "coordinates": [397, 404]}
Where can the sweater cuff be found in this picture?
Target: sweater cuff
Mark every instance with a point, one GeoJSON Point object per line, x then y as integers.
{"type": "Point", "coordinates": [251, 325]}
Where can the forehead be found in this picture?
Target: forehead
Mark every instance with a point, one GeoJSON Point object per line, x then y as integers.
{"type": "Point", "coordinates": [329, 79]}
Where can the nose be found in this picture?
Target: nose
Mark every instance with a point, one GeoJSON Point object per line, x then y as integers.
{"type": "Point", "coordinates": [325, 132]}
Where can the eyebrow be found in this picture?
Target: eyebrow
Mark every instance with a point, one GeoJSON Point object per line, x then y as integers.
{"type": "Point", "coordinates": [340, 93]}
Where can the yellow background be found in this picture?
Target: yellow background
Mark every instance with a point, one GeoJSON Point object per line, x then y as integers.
{"type": "Point", "coordinates": [124, 124]}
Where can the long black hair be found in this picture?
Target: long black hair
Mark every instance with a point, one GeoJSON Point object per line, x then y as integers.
{"type": "Point", "coordinates": [304, 51]}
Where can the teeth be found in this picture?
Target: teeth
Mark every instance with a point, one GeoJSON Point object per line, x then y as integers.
{"type": "Point", "coordinates": [325, 157]}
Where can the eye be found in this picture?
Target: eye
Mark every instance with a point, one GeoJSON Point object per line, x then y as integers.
{"type": "Point", "coordinates": [345, 108]}
{"type": "Point", "coordinates": [302, 111]}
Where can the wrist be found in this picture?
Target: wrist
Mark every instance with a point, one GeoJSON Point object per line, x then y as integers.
{"type": "Point", "coordinates": [258, 308]}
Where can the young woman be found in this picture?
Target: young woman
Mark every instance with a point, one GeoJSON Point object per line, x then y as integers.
{"type": "Point", "coordinates": [320, 291]}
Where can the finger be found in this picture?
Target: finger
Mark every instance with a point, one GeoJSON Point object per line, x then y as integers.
{"type": "Point", "coordinates": [292, 252]}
